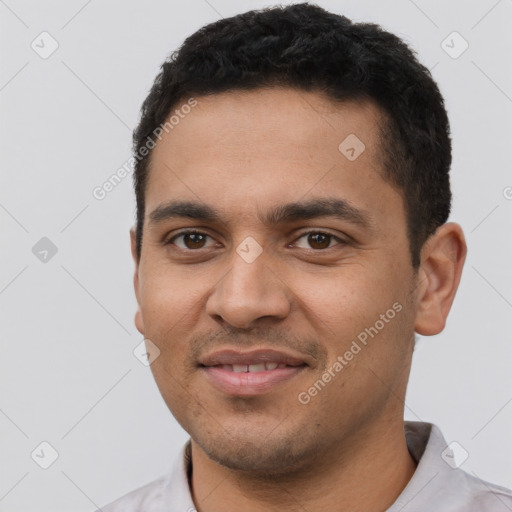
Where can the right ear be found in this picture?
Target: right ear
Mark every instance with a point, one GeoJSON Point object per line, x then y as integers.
{"type": "Point", "coordinates": [139, 321]}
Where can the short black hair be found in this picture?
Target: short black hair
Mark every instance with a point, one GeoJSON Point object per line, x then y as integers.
{"type": "Point", "coordinates": [305, 47]}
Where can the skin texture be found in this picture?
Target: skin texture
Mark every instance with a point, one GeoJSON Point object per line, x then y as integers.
{"type": "Point", "coordinates": [244, 153]}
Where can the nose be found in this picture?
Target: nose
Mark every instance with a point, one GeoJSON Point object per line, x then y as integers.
{"type": "Point", "coordinates": [249, 293]}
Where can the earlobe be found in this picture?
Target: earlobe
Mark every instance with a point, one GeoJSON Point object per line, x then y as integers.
{"type": "Point", "coordinates": [442, 260]}
{"type": "Point", "coordinates": [139, 322]}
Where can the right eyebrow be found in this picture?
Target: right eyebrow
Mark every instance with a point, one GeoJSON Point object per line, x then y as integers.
{"type": "Point", "coordinates": [187, 209]}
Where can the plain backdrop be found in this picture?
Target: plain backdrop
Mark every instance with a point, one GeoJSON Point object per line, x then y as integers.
{"type": "Point", "coordinates": [68, 375]}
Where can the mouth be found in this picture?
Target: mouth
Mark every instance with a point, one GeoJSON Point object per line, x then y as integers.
{"type": "Point", "coordinates": [251, 368]}
{"type": "Point", "coordinates": [252, 373]}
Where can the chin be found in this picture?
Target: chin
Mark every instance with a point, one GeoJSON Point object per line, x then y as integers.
{"type": "Point", "coordinates": [260, 455]}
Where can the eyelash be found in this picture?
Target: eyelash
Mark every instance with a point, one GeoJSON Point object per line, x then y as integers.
{"type": "Point", "coordinates": [170, 241]}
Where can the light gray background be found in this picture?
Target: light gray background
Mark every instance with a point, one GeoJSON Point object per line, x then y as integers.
{"type": "Point", "coordinates": [67, 372]}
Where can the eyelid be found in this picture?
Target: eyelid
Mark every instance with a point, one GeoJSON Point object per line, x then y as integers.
{"type": "Point", "coordinates": [320, 231]}
{"type": "Point", "coordinates": [191, 231]}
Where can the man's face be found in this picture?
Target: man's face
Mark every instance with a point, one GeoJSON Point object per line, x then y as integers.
{"type": "Point", "coordinates": [261, 288]}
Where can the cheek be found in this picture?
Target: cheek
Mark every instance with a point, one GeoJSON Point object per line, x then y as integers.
{"type": "Point", "coordinates": [168, 291]}
{"type": "Point", "coordinates": [169, 306]}
{"type": "Point", "coordinates": [343, 301]}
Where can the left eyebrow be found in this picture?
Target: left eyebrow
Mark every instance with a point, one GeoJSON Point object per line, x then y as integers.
{"type": "Point", "coordinates": [282, 214]}
{"type": "Point", "coordinates": [320, 207]}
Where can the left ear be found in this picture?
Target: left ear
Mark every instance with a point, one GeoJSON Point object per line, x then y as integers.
{"type": "Point", "coordinates": [139, 322]}
{"type": "Point", "coordinates": [442, 259]}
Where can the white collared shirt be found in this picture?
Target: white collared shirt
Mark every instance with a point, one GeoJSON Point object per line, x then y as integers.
{"type": "Point", "coordinates": [435, 486]}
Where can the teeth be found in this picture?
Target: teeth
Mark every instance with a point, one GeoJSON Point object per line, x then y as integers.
{"type": "Point", "coordinates": [260, 367]}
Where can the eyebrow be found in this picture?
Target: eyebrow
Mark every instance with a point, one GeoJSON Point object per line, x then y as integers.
{"type": "Point", "coordinates": [286, 213]}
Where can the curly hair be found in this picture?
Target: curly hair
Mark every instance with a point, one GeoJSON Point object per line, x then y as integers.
{"type": "Point", "coordinates": [305, 47]}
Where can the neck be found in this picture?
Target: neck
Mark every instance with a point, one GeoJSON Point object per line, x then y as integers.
{"type": "Point", "coordinates": [364, 473]}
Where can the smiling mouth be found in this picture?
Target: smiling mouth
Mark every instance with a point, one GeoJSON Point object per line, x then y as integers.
{"type": "Point", "coordinates": [257, 372]}
{"type": "Point", "coordinates": [251, 361]}
{"type": "Point", "coordinates": [253, 368]}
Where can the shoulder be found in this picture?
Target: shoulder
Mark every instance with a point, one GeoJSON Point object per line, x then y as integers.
{"type": "Point", "coordinates": [147, 498]}
{"type": "Point", "coordinates": [158, 495]}
{"type": "Point", "coordinates": [442, 485]}
{"type": "Point", "coordinates": [483, 496]}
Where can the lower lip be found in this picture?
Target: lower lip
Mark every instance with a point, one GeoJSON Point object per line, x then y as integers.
{"type": "Point", "coordinates": [249, 383]}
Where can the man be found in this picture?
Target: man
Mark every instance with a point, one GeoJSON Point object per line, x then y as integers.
{"type": "Point", "coordinates": [292, 194]}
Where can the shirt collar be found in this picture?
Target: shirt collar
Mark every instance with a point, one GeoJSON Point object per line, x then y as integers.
{"type": "Point", "coordinates": [436, 482]}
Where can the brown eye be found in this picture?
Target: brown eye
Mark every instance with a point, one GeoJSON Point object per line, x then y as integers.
{"type": "Point", "coordinates": [318, 240]}
{"type": "Point", "coordinates": [189, 240]}
{"type": "Point", "coordinates": [194, 241]}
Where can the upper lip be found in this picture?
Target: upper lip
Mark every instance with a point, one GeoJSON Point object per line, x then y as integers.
{"type": "Point", "coordinates": [233, 356]}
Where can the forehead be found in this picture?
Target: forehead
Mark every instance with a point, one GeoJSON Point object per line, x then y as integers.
{"type": "Point", "coordinates": [274, 144]}
{"type": "Point", "coordinates": [267, 117]}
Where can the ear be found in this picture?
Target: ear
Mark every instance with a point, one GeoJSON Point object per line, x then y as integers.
{"type": "Point", "coordinates": [139, 322]}
{"type": "Point", "coordinates": [442, 259]}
